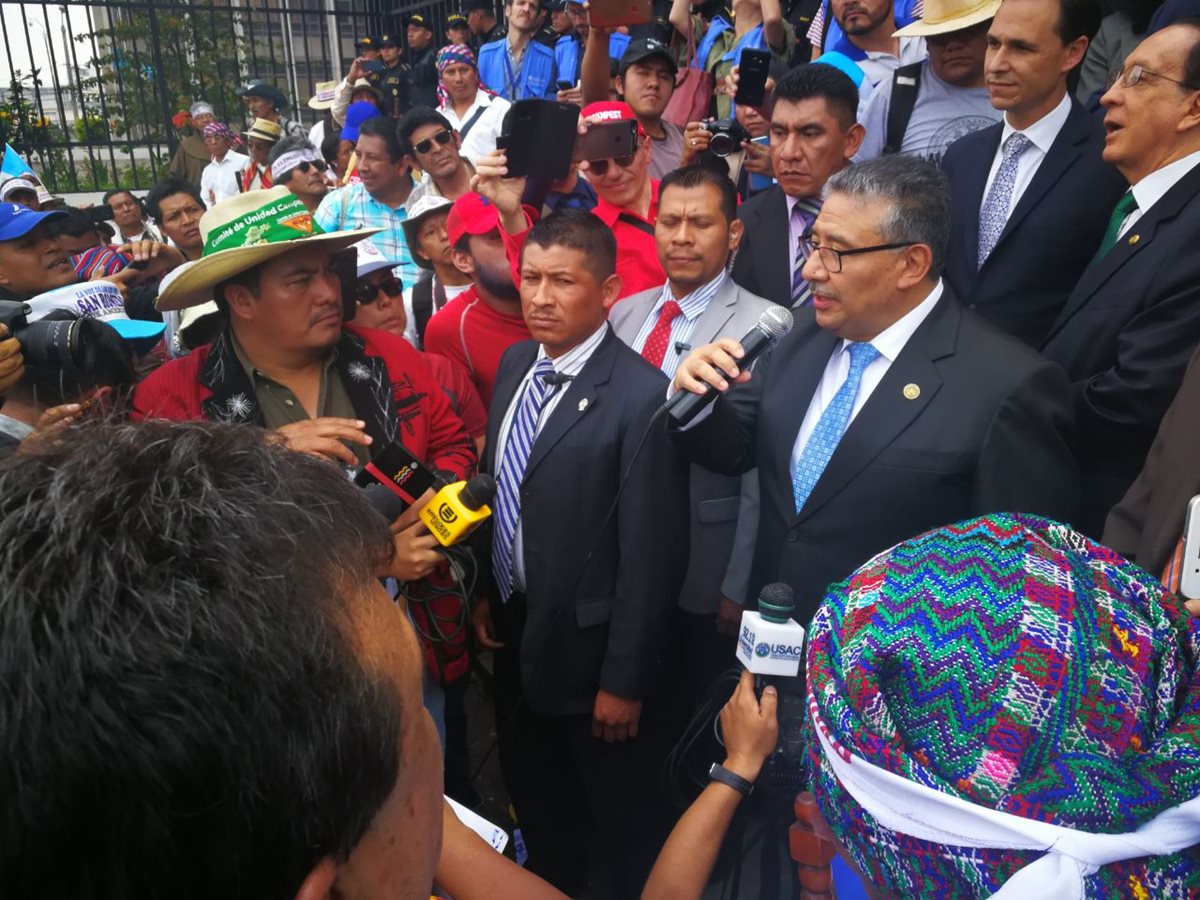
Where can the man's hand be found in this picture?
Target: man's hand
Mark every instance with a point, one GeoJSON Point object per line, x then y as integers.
{"type": "Point", "coordinates": [614, 718]}
{"type": "Point", "coordinates": [573, 95]}
{"type": "Point", "coordinates": [485, 628]}
{"type": "Point", "coordinates": [695, 141]}
{"type": "Point", "coordinates": [749, 728]}
{"type": "Point", "coordinates": [356, 70]}
{"type": "Point", "coordinates": [729, 86]}
{"type": "Point", "coordinates": [416, 553]}
{"type": "Point", "coordinates": [729, 617]}
{"type": "Point", "coordinates": [158, 258]}
{"type": "Point", "coordinates": [12, 363]}
{"type": "Point", "coordinates": [491, 181]}
{"type": "Point", "coordinates": [323, 438]}
{"type": "Point", "coordinates": [710, 366]}
{"type": "Point", "coordinates": [757, 160]}
{"type": "Point", "coordinates": [1193, 608]}
{"type": "Point", "coordinates": [60, 416]}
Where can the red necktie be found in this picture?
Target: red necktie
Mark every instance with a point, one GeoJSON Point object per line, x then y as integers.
{"type": "Point", "coordinates": [656, 344]}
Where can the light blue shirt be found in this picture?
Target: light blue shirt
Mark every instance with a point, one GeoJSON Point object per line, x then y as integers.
{"type": "Point", "coordinates": [352, 207]}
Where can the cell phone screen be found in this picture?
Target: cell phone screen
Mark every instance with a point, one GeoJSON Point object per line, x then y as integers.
{"type": "Point", "coordinates": [372, 66]}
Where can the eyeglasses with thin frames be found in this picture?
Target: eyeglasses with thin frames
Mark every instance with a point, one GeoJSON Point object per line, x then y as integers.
{"type": "Point", "coordinates": [1134, 75]}
{"type": "Point", "coordinates": [832, 259]}
{"type": "Point", "coordinates": [442, 137]}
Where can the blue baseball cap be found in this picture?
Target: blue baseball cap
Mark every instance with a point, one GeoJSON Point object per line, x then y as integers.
{"type": "Point", "coordinates": [17, 221]}
{"type": "Point", "coordinates": [356, 114]}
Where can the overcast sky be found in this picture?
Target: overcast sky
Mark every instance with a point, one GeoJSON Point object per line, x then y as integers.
{"type": "Point", "coordinates": [16, 55]}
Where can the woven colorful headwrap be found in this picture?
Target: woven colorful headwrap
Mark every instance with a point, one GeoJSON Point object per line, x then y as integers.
{"type": "Point", "coordinates": [220, 129]}
{"type": "Point", "coordinates": [448, 56]}
{"type": "Point", "coordinates": [1012, 673]}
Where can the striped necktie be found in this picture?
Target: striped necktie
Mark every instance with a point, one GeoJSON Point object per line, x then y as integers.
{"type": "Point", "coordinates": [804, 213]}
{"type": "Point", "coordinates": [506, 510]}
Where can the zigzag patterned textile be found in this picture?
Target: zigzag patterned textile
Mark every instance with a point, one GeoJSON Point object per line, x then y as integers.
{"type": "Point", "coordinates": [1016, 664]}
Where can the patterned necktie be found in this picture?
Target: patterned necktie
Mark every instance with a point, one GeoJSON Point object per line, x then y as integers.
{"type": "Point", "coordinates": [804, 213]}
{"type": "Point", "coordinates": [994, 214]}
{"type": "Point", "coordinates": [506, 510]}
{"type": "Point", "coordinates": [831, 426]}
{"type": "Point", "coordinates": [1127, 204]}
{"type": "Point", "coordinates": [655, 348]}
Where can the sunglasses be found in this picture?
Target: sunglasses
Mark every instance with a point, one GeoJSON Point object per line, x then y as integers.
{"type": "Point", "coordinates": [366, 294]}
{"type": "Point", "coordinates": [600, 166]}
{"type": "Point", "coordinates": [306, 165]}
{"type": "Point", "coordinates": [442, 137]}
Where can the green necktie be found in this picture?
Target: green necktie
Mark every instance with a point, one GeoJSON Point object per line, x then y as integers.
{"type": "Point", "coordinates": [1126, 205]}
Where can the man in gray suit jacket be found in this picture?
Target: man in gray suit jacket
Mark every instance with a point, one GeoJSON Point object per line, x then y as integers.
{"type": "Point", "coordinates": [697, 232]}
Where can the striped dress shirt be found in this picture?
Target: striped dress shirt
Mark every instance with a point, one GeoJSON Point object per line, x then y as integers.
{"type": "Point", "coordinates": [691, 308]}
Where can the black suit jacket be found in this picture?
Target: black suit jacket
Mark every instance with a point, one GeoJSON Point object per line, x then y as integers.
{"type": "Point", "coordinates": [988, 432]}
{"type": "Point", "coordinates": [1050, 237]}
{"type": "Point", "coordinates": [601, 624]}
{"type": "Point", "coordinates": [764, 262]}
{"type": "Point", "coordinates": [1125, 338]}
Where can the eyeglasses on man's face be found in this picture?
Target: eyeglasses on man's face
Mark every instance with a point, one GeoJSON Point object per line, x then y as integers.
{"type": "Point", "coordinates": [832, 259]}
{"type": "Point", "coordinates": [442, 138]}
{"type": "Point", "coordinates": [1135, 75]}
{"type": "Point", "coordinates": [366, 294]}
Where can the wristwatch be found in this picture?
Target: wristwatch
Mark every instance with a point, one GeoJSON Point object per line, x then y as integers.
{"type": "Point", "coordinates": [719, 773]}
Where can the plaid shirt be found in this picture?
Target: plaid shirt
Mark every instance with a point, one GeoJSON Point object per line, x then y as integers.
{"type": "Point", "coordinates": [352, 207]}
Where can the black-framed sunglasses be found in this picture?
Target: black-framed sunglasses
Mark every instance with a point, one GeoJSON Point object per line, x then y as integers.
{"type": "Point", "coordinates": [305, 165]}
{"type": "Point", "coordinates": [366, 294]}
{"type": "Point", "coordinates": [832, 259]}
{"type": "Point", "coordinates": [442, 137]}
{"type": "Point", "coordinates": [600, 166]}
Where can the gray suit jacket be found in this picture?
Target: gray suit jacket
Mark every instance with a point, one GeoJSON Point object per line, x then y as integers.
{"type": "Point", "coordinates": [724, 508]}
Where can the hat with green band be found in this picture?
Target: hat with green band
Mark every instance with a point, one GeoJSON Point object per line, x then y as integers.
{"type": "Point", "coordinates": [246, 231]}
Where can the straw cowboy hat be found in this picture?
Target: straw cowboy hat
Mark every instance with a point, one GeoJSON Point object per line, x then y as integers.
{"type": "Point", "coordinates": [264, 130]}
{"type": "Point", "coordinates": [325, 94]}
{"type": "Point", "coordinates": [243, 232]}
{"type": "Point", "coordinates": [946, 16]}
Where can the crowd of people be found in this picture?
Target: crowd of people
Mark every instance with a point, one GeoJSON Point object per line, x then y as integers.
{"type": "Point", "coordinates": [969, 453]}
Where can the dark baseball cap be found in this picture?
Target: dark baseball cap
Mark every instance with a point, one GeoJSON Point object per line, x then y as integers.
{"type": "Point", "coordinates": [419, 20]}
{"type": "Point", "coordinates": [643, 49]}
{"type": "Point", "coordinates": [472, 5]}
{"type": "Point", "coordinates": [456, 20]}
{"type": "Point", "coordinates": [386, 40]}
{"type": "Point", "coordinates": [367, 42]}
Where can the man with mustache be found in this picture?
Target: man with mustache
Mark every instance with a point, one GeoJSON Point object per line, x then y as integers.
{"type": "Point", "coordinates": [813, 134]}
{"type": "Point", "coordinates": [925, 107]}
{"type": "Point", "coordinates": [1031, 193]}
{"type": "Point", "coordinates": [476, 327]}
{"type": "Point", "coordinates": [1133, 321]}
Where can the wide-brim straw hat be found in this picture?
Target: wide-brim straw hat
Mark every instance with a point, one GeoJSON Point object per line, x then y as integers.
{"type": "Point", "coordinates": [264, 130]}
{"type": "Point", "coordinates": [243, 232]}
{"type": "Point", "coordinates": [325, 92]}
{"type": "Point", "coordinates": [946, 16]}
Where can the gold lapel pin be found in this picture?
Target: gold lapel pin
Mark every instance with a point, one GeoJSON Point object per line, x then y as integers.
{"type": "Point", "coordinates": [1133, 240]}
{"type": "Point", "coordinates": [912, 391]}
{"type": "Point", "coordinates": [583, 404]}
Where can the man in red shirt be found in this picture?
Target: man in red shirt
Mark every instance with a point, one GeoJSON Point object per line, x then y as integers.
{"type": "Point", "coordinates": [476, 327]}
{"type": "Point", "coordinates": [628, 202]}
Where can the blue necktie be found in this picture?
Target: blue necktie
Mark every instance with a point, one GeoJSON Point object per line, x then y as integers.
{"type": "Point", "coordinates": [831, 426]}
{"type": "Point", "coordinates": [506, 510]}
{"type": "Point", "coordinates": [993, 216]}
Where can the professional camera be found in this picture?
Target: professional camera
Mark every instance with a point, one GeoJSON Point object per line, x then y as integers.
{"type": "Point", "coordinates": [63, 345]}
{"type": "Point", "coordinates": [727, 136]}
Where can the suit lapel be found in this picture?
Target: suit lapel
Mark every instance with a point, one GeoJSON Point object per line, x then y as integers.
{"type": "Point", "coordinates": [1064, 152]}
{"type": "Point", "coordinates": [798, 369]}
{"type": "Point", "coordinates": [889, 412]}
{"type": "Point", "coordinates": [975, 180]}
{"type": "Point", "coordinates": [1135, 240]}
{"type": "Point", "coordinates": [508, 379]}
{"type": "Point", "coordinates": [775, 246]}
{"type": "Point", "coordinates": [572, 407]}
{"type": "Point", "coordinates": [712, 321]}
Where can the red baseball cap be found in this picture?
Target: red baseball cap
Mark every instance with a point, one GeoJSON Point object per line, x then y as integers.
{"type": "Point", "coordinates": [612, 111]}
{"type": "Point", "coordinates": [471, 214]}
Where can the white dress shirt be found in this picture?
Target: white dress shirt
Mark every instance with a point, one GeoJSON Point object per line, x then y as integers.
{"type": "Point", "coordinates": [691, 308]}
{"type": "Point", "coordinates": [570, 363]}
{"type": "Point", "coordinates": [219, 180]}
{"type": "Point", "coordinates": [481, 139]}
{"type": "Point", "coordinates": [1155, 186]}
{"type": "Point", "coordinates": [889, 342]}
{"type": "Point", "coordinates": [1042, 135]}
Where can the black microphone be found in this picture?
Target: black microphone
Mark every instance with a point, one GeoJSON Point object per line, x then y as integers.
{"type": "Point", "coordinates": [773, 324]}
{"type": "Point", "coordinates": [558, 379]}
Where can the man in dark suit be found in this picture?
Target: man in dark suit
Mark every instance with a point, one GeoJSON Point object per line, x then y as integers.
{"type": "Point", "coordinates": [814, 133]}
{"type": "Point", "coordinates": [1031, 194]}
{"type": "Point", "coordinates": [588, 553]}
{"type": "Point", "coordinates": [1133, 321]}
{"type": "Point", "coordinates": [696, 232]}
{"type": "Point", "coordinates": [888, 410]}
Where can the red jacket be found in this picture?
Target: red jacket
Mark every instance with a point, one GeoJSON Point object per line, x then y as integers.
{"type": "Point", "coordinates": [411, 409]}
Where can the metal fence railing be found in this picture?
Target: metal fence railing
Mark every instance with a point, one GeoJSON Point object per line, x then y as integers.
{"type": "Point", "coordinates": [97, 90]}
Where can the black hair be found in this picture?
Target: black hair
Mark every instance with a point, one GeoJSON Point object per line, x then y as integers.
{"type": "Point", "coordinates": [289, 144]}
{"type": "Point", "coordinates": [113, 366]}
{"type": "Point", "coordinates": [463, 244]}
{"type": "Point", "coordinates": [185, 712]}
{"type": "Point", "coordinates": [418, 117]}
{"type": "Point", "coordinates": [108, 195]}
{"type": "Point", "coordinates": [383, 127]}
{"type": "Point", "coordinates": [698, 175]}
{"type": "Point", "coordinates": [1078, 18]}
{"type": "Point", "coordinates": [578, 230]}
{"type": "Point", "coordinates": [250, 280]}
{"type": "Point", "coordinates": [76, 223]}
{"type": "Point", "coordinates": [169, 187]}
{"type": "Point", "coordinates": [331, 144]}
{"type": "Point", "coordinates": [824, 81]}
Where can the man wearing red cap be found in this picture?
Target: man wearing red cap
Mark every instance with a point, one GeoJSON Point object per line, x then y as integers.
{"type": "Point", "coordinates": [476, 327]}
{"type": "Point", "coordinates": [628, 202]}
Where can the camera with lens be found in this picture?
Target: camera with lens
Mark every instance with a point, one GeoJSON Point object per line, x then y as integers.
{"type": "Point", "coordinates": [727, 136]}
{"type": "Point", "coordinates": [67, 345]}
